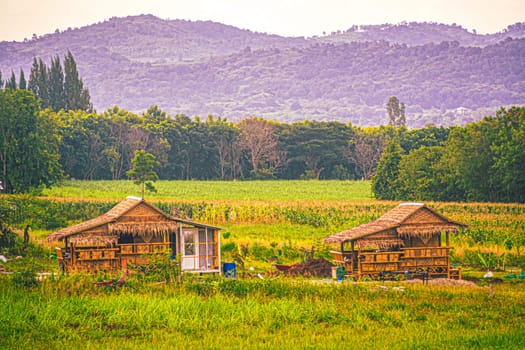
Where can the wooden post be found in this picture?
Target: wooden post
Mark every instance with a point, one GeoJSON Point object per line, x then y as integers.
{"type": "Point", "coordinates": [218, 249]}
{"type": "Point", "coordinates": [359, 267]}
{"type": "Point", "coordinates": [72, 256]}
{"type": "Point", "coordinates": [353, 256]}
{"type": "Point", "coordinates": [448, 261]}
{"type": "Point", "coordinates": [66, 262]}
{"type": "Point", "coordinates": [173, 244]}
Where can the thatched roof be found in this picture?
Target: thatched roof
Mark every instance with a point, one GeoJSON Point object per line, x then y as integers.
{"type": "Point", "coordinates": [156, 223]}
{"type": "Point", "coordinates": [406, 220]}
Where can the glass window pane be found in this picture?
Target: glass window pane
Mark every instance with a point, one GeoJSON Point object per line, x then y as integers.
{"type": "Point", "coordinates": [189, 243]}
{"type": "Point", "coordinates": [202, 235]}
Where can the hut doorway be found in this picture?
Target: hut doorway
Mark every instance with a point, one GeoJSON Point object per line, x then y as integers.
{"type": "Point", "coordinates": [189, 248]}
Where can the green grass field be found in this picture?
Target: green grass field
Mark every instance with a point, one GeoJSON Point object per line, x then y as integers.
{"type": "Point", "coordinates": [257, 314]}
{"type": "Point", "coordinates": [296, 190]}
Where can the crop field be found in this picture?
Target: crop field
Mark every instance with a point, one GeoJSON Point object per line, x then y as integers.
{"type": "Point", "coordinates": [297, 190]}
{"type": "Point", "coordinates": [276, 216]}
{"type": "Point", "coordinates": [265, 219]}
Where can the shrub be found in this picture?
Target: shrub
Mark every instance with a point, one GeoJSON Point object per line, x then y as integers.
{"type": "Point", "coordinates": [26, 277]}
{"type": "Point", "coordinates": [229, 247]}
{"type": "Point", "coordinates": [8, 239]}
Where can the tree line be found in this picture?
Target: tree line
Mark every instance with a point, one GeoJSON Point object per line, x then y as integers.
{"type": "Point", "coordinates": [483, 161]}
{"type": "Point", "coordinates": [81, 144]}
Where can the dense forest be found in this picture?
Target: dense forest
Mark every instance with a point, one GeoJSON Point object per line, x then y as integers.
{"type": "Point", "coordinates": [445, 74]}
{"type": "Point", "coordinates": [482, 161]}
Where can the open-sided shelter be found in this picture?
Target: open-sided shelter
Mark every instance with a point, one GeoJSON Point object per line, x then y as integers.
{"type": "Point", "coordinates": [407, 239]}
{"type": "Point", "coordinates": [135, 231]}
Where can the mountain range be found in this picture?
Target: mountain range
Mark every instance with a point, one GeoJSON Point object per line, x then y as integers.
{"type": "Point", "coordinates": [443, 73]}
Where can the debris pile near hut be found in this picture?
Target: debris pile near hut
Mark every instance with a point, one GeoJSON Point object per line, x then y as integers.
{"type": "Point", "coordinates": [311, 268]}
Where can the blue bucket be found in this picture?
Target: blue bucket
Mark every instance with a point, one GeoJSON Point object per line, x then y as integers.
{"type": "Point", "coordinates": [340, 272]}
{"type": "Point", "coordinates": [229, 270]}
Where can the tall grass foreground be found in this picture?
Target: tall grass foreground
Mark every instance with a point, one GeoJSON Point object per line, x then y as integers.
{"type": "Point", "coordinates": [258, 314]}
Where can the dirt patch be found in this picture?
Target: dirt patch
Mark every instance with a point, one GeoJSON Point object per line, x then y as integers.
{"type": "Point", "coordinates": [311, 268]}
{"type": "Point", "coordinates": [444, 282]}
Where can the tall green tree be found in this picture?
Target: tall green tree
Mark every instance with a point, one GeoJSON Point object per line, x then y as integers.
{"type": "Point", "coordinates": [154, 126]}
{"type": "Point", "coordinates": [225, 137]}
{"type": "Point", "coordinates": [429, 135]}
{"type": "Point", "coordinates": [473, 160]}
{"type": "Point", "coordinates": [43, 84]}
{"type": "Point", "coordinates": [509, 153]}
{"type": "Point", "coordinates": [1, 81]}
{"type": "Point", "coordinates": [143, 171]}
{"type": "Point", "coordinates": [316, 149]}
{"type": "Point", "coordinates": [22, 83]}
{"type": "Point", "coordinates": [34, 78]}
{"type": "Point", "coordinates": [419, 177]}
{"type": "Point", "coordinates": [28, 143]}
{"type": "Point", "coordinates": [126, 135]}
{"type": "Point", "coordinates": [39, 82]}
{"type": "Point", "coordinates": [154, 115]}
{"type": "Point", "coordinates": [76, 95]}
{"type": "Point", "coordinates": [56, 85]}
{"type": "Point", "coordinates": [385, 181]}
{"type": "Point", "coordinates": [11, 83]}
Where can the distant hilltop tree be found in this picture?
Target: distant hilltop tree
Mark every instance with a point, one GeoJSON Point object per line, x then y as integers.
{"type": "Point", "coordinates": [396, 112]}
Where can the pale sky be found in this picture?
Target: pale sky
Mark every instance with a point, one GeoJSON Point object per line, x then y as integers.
{"type": "Point", "coordinates": [19, 19]}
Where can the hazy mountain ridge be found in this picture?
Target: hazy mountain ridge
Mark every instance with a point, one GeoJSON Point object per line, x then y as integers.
{"type": "Point", "coordinates": [206, 67]}
{"type": "Point", "coordinates": [416, 33]}
{"type": "Point", "coordinates": [147, 38]}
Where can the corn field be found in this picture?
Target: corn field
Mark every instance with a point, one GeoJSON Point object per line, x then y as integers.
{"type": "Point", "coordinates": [490, 224]}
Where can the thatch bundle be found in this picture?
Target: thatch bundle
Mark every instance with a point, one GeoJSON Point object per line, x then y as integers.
{"type": "Point", "coordinates": [383, 244]}
{"type": "Point", "coordinates": [425, 230]}
{"type": "Point", "coordinates": [150, 229]}
{"type": "Point", "coordinates": [94, 239]}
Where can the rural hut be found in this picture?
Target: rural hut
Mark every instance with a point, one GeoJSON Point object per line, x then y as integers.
{"type": "Point", "coordinates": [406, 240]}
{"type": "Point", "coordinates": [135, 231]}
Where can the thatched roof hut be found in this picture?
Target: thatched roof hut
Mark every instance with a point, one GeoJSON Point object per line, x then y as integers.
{"type": "Point", "coordinates": [134, 228]}
{"type": "Point", "coordinates": [408, 224]}
{"type": "Point", "coordinates": [133, 216]}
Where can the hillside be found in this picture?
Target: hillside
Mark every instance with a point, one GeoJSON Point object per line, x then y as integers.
{"type": "Point", "coordinates": [200, 68]}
